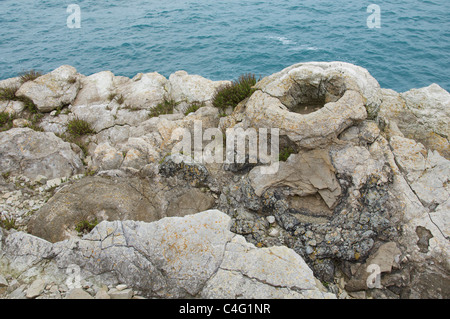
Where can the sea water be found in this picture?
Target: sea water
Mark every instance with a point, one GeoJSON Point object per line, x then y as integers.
{"type": "Point", "coordinates": [404, 45]}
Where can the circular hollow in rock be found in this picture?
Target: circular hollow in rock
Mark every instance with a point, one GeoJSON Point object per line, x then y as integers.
{"type": "Point", "coordinates": [309, 95]}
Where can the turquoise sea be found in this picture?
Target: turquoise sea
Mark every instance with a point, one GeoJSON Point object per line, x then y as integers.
{"type": "Point", "coordinates": [221, 39]}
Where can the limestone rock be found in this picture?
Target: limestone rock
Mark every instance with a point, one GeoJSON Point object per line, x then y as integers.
{"type": "Point", "coordinates": [420, 114]}
{"type": "Point", "coordinates": [306, 173]}
{"type": "Point", "coordinates": [12, 107]}
{"type": "Point", "coordinates": [21, 123]}
{"type": "Point", "coordinates": [191, 202]}
{"type": "Point", "coordinates": [386, 257]}
{"type": "Point", "coordinates": [306, 130]}
{"type": "Point", "coordinates": [94, 198]}
{"type": "Point", "coordinates": [428, 173]}
{"type": "Point", "coordinates": [96, 89]}
{"type": "Point", "coordinates": [3, 281]}
{"type": "Point", "coordinates": [52, 90]}
{"type": "Point", "coordinates": [78, 293]}
{"type": "Point", "coordinates": [318, 83]}
{"type": "Point", "coordinates": [182, 256]}
{"type": "Point", "coordinates": [273, 272]}
{"type": "Point", "coordinates": [193, 256]}
{"type": "Point", "coordinates": [102, 294]}
{"type": "Point", "coordinates": [186, 89]}
{"type": "Point", "coordinates": [356, 162]}
{"type": "Point", "coordinates": [312, 103]}
{"type": "Point", "coordinates": [11, 82]}
{"type": "Point", "coordinates": [120, 294]}
{"type": "Point", "coordinates": [27, 250]}
{"type": "Point", "coordinates": [36, 288]}
{"type": "Point", "coordinates": [425, 226]}
{"type": "Point", "coordinates": [140, 151]}
{"type": "Point", "coordinates": [30, 153]}
{"type": "Point", "coordinates": [97, 115]}
{"type": "Point", "coordinates": [432, 106]}
{"type": "Point", "coordinates": [106, 157]}
{"type": "Point", "coordinates": [54, 124]}
{"type": "Point", "coordinates": [119, 198]}
{"type": "Point", "coordinates": [144, 91]}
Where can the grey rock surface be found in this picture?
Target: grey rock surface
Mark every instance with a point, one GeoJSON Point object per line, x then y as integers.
{"type": "Point", "coordinates": [175, 257]}
{"type": "Point", "coordinates": [100, 198]}
{"type": "Point", "coordinates": [52, 90]}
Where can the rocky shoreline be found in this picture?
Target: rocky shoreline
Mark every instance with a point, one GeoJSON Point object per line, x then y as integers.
{"type": "Point", "coordinates": [359, 206]}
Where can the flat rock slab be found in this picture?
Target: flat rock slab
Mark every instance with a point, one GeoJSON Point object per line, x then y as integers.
{"type": "Point", "coordinates": [103, 198]}
{"type": "Point", "coordinates": [175, 257]}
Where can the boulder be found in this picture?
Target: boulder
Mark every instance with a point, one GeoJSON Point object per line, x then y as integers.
{"type": "Point", "coordinates": [78, 293]}
{"type": "Point", "coordinates": [96, 89]}
{"type": "Point", "coordinates": [186, 89]}
{"type": "Point", "coordinates": [52, 90]}
{"type": "Point", "coordinates": [420, 114]}
{"type": "Point", "coordinates": [144, 91]}
{"type": "Point", "coordinates": [306, 173]}
{"type": "Point", "coordinates": [30, 153]}
{"type": "Point", "coordinates": [35, 289]}
{"type": "Point", "coordinates": [431, 106]}
{"type": "Point", "coordinates": [97, 115]}
{"type": "Point", "coordinates": [275, 272]}
{"type": "Point", "coordinates": [12, 107]}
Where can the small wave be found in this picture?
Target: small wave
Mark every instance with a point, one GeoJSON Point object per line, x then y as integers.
{"type": "Point", "coordinates": [283, 40]}
{"type": "Point", "coordinates": [294, 46]}
{"type": "Point", "coordinates": [304, 48]}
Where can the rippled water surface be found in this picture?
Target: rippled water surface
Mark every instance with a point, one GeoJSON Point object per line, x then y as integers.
{"type": "Point", "coordinates": [222, 39]}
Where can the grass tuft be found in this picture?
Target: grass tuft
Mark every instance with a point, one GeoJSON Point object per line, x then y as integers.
{"type": "Point", "coordinates": [285, 153]}
{"type": "Point", "coordinates": [194, 106]}
{"type": "Point", "coordinates": [165, 107]}
{"type": "Point", "coordinates": [5, 118]}
{"type": "Point", "coordinates": [29, 76]}
{"type": "Point", "coordinates": [112, 96]}
{"type": "Point", "coordinates": [120, 99]}
{"type": "Point", "coordinates": [85, 226]}
{"type": "Point", "coordinates": [232, 94]}
{"type": "Point", "coordinates": [72, 80]}
{"type": "Point", "coordinates": [6, 121]}
{"type": "Point", "coordinates": [8, 223]}
{"type": "Point", "coordinates": [78, 127]}
{"type": "Point", "coordinates": [8, 93]}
